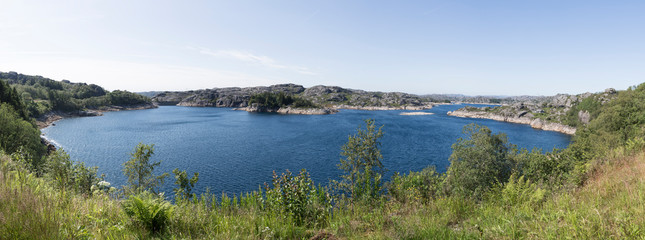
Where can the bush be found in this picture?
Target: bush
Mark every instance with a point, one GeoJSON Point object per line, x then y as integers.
{"type": "Point", "coordinates": [149, 211]}
{"type": "Point", "coordinates": [539, 167]}
{"type": "Point", "coordinates": [416, 186]}
{"type": "Point", "coordinates": [298, 197]}
{"type": "Point", "coordinates": [68, 175]}
{"type": "Point", "coordinates": [479, 161]}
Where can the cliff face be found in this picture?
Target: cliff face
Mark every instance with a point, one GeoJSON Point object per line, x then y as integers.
{"type": "Point", "coordinates": [330, 96]}
{"type": "Point", "coordinates": [521, 119]}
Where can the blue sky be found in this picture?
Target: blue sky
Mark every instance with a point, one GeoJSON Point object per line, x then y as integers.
{"type": "Point", "coordinates": [468, 47]}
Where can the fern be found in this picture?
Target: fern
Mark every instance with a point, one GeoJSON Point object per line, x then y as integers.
{"type": "Point", "coordinates": [149, 211]}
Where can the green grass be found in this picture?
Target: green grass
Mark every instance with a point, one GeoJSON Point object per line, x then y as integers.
{"type": "Point", "coordinates": [609, 206]}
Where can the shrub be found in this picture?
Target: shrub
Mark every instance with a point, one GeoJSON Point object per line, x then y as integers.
{"type": "Point", "coordinates": [478, 161]}
{"type": "Point", "coordinates": [416, 186]}
{"type": "Point", "coordinates": [149, 211]}
{"type": "Point", "coordinates": [298, 197]}
{"type": "Point", "coordinates": [68, 175]}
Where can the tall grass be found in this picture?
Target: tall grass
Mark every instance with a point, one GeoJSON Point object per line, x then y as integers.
{"type": "Point", "coordinates": [609, 206]}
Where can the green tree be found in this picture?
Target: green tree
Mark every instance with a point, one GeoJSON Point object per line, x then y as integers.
{"type": "Point", "coordinates": [17, 133]}
{"type": "Point", "coordinates": [140, 170]}
{"type": "Point", "coordinates": [184, 184]}
{"type": "Point", "coordinates": [10, 96]}
{"type": "Point", "coordinates": [362, 163]}
{"type": "Point", "coordinates": [479, 161]}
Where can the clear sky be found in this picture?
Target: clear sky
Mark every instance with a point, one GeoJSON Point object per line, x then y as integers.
{"type": "Point", "coordinates": [470, 47]}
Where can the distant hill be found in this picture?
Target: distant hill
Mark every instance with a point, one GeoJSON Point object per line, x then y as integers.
{"type": "Point", "coordinates": [326, 96]}
{"type": "Point", "coordinates": [149, 94]}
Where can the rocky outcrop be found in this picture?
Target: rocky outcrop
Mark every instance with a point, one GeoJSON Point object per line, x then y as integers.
{"type": "Point", "coordinates": [50, 146]}
{"type": "Point", "coordinates": [584, 117]}
{"type": "Point", "coordinates": [521, 119]}
{"type": "Point", "coordinates": [289, 110]}
{"type": "Point", "coordinates": [329, 96]}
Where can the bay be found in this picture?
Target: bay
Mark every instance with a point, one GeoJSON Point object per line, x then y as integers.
{"type": "Point", "coordinates": [236, 151]}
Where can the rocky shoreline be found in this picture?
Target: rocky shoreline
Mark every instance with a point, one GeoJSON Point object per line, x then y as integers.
{"type": "Point", "coordinates": [51, 117]}
{"type": "Point", "coordinates": [290, 110]}
{"type": "Point", "coordinates": [383, 108]}
{"type": "Point", "coordinates": [533, 122]}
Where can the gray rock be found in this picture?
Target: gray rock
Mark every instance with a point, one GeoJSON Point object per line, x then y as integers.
{"type": "Point", "coordinates": [584, 117]}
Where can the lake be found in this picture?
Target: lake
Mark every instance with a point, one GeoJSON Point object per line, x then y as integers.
{"type": "Point", "coordinates": [236, 151]}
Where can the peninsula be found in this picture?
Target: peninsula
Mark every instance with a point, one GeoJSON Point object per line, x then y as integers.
{"type": "Point", "coordinates": [561, 113]}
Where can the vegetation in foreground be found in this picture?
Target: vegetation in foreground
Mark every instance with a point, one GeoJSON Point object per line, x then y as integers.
{"type": "Point", "coordinates": [592, 189]}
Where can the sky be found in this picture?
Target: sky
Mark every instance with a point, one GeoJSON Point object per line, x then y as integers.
{"type": "Point", "coordinates": [420, 47]}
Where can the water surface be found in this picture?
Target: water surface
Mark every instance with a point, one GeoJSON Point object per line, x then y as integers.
{"type": "Point", "coordinates": [236, 151]}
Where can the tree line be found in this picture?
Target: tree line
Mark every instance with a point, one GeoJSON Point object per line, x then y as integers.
{"type": "Point", "coordinates": [41, 95]}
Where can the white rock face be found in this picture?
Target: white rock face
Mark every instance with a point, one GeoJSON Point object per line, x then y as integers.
{"type": "Point", "coordinates": [415, 113]}
{"type": "Point", "coordinates": [307, 111]}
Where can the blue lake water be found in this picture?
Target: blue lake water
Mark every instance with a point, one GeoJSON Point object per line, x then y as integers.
{"type": "Point", "coordinates": [236, 151]}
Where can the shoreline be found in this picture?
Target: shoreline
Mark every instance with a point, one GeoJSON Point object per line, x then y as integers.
{"type": "Point", "coordinates": [533, 122]}
{"type": "Point", "coordinates": [333, 109]}
{"type": "Point", "coordinates": [50, 118]}
{"type": "Point", "coordinates": [385, 108]}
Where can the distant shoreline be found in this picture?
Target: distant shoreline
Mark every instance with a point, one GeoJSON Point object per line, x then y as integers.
{"type": "Point", "coordinates": [50, 118]}
{"type": "Point", "coordinates": [534, 123]}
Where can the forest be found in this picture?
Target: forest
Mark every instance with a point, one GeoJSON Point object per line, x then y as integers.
{"type": "Point", "coordinates": [41, 95]}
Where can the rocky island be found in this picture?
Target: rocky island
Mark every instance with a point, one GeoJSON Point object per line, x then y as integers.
{"type": "Point", "coordinates": [323, 99]}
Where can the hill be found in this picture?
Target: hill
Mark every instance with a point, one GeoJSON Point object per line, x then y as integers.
{"type": "Point", "coordinates": [42, 95]}
{"type": "Point", "coordinates": [323, 96]}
